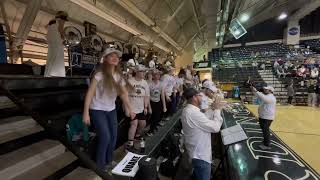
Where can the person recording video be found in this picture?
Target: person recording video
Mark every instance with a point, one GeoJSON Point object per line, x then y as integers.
{"type": "Point", "coordinates": [266, 111]}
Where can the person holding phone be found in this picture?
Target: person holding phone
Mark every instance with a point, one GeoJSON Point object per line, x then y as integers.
{"type": "Point", "coordinates": [266, 111]}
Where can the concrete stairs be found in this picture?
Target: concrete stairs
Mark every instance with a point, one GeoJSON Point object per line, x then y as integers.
{"type": "Point", "coordinates": [25, 150]}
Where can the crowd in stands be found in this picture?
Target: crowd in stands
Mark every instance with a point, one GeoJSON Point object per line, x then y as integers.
{"type": "Point", "coordinates": [305, 72]}
{"type": "Point", "coordinates": [151, 93]}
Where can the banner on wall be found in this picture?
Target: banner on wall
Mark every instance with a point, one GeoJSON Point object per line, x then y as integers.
{"type": "Point", "coordinates": [292, 35]}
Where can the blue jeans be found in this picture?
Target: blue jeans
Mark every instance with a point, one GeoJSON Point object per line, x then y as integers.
{"type": "Point", "coordinates": [173, 105]}
{"type": "Point", "coordinates": [106, 124]}
{"type": "Point", "coordinates": [201, 169]}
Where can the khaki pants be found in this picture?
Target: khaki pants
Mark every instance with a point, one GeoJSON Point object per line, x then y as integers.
{"type": "Point", "coordinates": [312, 99]}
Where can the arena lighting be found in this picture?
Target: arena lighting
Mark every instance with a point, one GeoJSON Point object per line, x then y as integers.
{"type": "Point", "coordinates": [237, 32]}
{"type": "Point", "coordinates": [244, 18]}
{"type": "Point", "coordinates": [283, 16]}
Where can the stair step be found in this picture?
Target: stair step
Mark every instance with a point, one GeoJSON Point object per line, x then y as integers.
{"type": "Point", "coordinates": [49, 167]}
{"type": "Point", "coordinates": [24, 159]}
{"type": "Point", "coordinates": [83, 174]}
{"type": "Point", "coordinates": [19, 134]}
{"type": "Point", "coordinates": [16, 123]}
{"type": "Point", "coordinates": [5, 102]}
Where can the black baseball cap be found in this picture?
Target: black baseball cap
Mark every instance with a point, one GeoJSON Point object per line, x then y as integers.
{"type": "Point", "coordinates": [190, 92]}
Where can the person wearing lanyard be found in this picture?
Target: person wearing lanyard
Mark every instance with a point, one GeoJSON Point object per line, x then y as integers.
{"type": "Point", "coordinates": [100, 108]}
{"type": "Point", "coordinates": [197, 128]}
{"type": "Point", "coordinates": [266, 111]}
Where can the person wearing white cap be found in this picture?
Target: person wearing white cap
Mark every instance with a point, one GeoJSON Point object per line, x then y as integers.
{"type": "Point", "coordinates": [100, 108]}
{"type": "Point", "coordinates": [139, 99]}
{"type": "Point", "coordinates": [266, 112]}
{"type": "Point", "coordinates": [208, 90]}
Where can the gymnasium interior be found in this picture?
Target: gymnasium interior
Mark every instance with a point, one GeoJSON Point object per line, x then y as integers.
{"type": "Point", "coordinates": [236, 44]}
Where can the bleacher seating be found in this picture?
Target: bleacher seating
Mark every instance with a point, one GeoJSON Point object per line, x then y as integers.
{"type": "Point", "coordinates": [274, 50]}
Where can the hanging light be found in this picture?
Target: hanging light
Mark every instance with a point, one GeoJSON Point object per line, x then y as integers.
{"type": "Point", "coordinates": [283, 16]}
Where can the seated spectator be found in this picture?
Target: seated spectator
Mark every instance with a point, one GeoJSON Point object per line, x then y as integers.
{"type": "Point", "coordinates": [301, 72]}
{"type": "Point", "coordinates": [280, 72]}
{"type": "Point", "coordinates": [314, 73]}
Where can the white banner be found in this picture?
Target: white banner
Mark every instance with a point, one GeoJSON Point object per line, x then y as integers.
{"type": "Point", "coordinates": [128, 166]}
{"type": "Point", "coordinates": [292, 35]}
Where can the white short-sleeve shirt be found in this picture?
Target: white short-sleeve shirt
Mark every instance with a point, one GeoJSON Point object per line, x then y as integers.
{"type": "Point", "coordinates": [155, 91]}
{"type": "Point", "coordinates": [168, 83]}
{"type": "Point", "coordinates": [102, 100]}
{"type": "Point", "coordinates": [137, 95]}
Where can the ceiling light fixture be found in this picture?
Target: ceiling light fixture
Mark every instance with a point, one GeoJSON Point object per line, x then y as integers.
{"type": "Point", "coordinates": [244, 18]}
{"type": "Point", "coordinates": [283, 16]}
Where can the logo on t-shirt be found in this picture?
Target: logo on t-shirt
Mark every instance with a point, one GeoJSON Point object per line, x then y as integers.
{"type": "Point", "coordinates": [138, 91]}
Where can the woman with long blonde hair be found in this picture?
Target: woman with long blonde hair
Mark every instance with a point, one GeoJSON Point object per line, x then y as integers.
{"type": "Point", "coordinates": [100, 108]}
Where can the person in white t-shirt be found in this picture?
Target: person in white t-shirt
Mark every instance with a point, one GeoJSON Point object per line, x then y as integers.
{"type": "Point", "coordinates": [132, 63]}
{"type": "Point", "coordinates": [266, 112]}
{"type": "Point", "coordinates": [139, 97]}
{"type": "Point", "coordinates": [168, 88]}
{"type": "Point", "coordinates": [100, 108]}
{"type": "Point", "coordinates": [155, 100]}
{"type": "Point", "coordinates": [152, 63]}
{"type": "Point", "coordinates": [189, 77]}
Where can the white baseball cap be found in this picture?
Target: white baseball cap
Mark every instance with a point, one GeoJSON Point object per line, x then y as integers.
{"type": "Point", "coordinates": [210, 85]}
{"type": "Point", "coordinates": [140, 67]}
{"type": "Point", "coordinates": [156, 71]}
{"type": "Point", "coordinates": [109, 51]}
{"type": "Point", "coordinates": [269, 88]}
